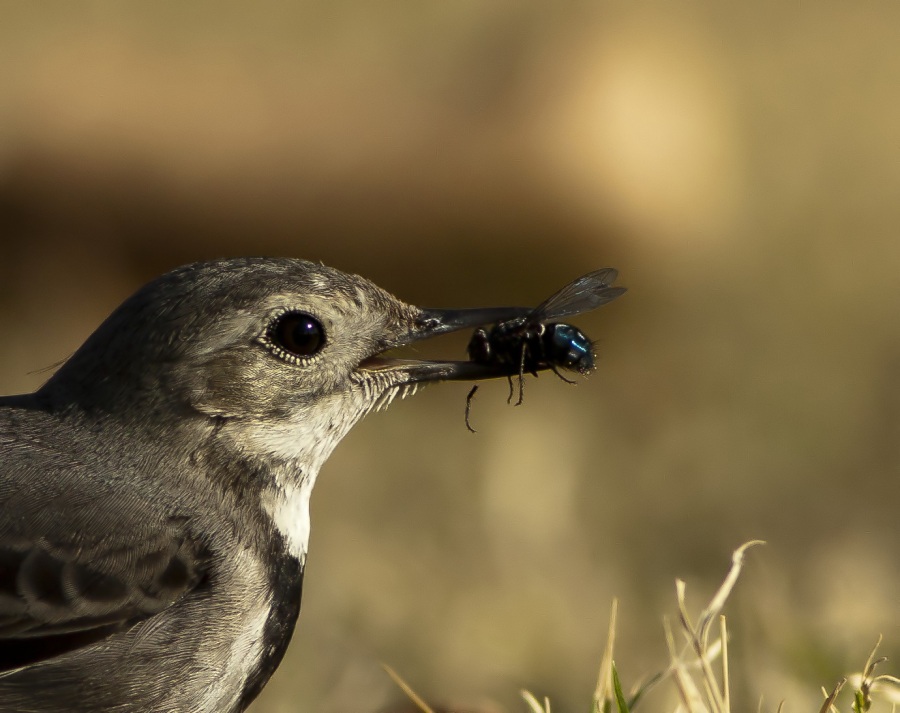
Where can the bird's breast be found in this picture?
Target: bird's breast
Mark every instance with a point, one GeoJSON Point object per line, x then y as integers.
{"type": "Point", "coordinates": [272, 630]}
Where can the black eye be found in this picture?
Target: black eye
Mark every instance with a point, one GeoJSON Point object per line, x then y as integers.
{"type": "Point", "coordinates": [298, 334]}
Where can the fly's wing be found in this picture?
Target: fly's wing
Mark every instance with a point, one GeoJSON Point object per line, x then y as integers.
{"type": "Point", "coordinates": [79, 563]}
{"type": "Point", "coordinates": [582, 295]}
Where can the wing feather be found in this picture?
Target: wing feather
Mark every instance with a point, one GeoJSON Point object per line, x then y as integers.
{"type": "Point", "coordinates": [82, 555]}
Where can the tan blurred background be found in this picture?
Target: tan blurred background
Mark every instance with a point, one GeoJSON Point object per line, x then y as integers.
{"type": "Point", "coordinates": [738, 162]}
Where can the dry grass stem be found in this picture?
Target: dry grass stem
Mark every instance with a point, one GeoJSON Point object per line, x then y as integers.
{"type": "Point", "coordinates": [603, 691]}
{"type": "Point", "coordinates": [714, 696]}
{"type": "Point", "coordinates": [723, 639]}
{"type": "Point", "coordinates": [534, 704]}
{"type": "Point", "coordinates": [867, 683]}
{"type": "Point", "coordinates": [828, 705]}
{"type": "Point", "coordinates": [687, 689]}
{"type": "Point", "coordinates": [407, 689]}
{"type": "Point", "coordinates": [708, 615]}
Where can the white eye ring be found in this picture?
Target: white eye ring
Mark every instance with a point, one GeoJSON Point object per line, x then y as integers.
{"type": "Point", "coordinates": [295, 336]}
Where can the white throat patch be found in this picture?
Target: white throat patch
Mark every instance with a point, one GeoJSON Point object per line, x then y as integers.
{"type": "Point", "coordinates": [298, 446]}
{"type": "Point", "coordinates": [288, 506]}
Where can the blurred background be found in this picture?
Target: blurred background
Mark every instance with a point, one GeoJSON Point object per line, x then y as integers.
{"type": "Point", "coordinates": [738, 162]}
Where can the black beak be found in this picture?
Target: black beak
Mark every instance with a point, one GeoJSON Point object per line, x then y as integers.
{"type": "Point", "coordinates": [432, 322]}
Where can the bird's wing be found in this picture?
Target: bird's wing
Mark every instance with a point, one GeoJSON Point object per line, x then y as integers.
{"type": "Point", "coordinates": [82, 557]}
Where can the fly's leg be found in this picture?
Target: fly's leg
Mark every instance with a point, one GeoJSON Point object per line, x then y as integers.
{"type": "Point", "coordinates": [509, 381]}
{"type": "Point", "coordinates": [521, 375]}
{"type": "Point", "coordinates": [469, 406]}
{"type": "Point", "coordinates": [556, 371]}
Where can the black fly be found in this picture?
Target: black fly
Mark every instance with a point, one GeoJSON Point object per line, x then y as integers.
{"type": "Point", "coordinates": [533, 342]}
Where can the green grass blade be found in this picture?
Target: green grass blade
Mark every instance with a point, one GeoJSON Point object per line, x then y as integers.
{"type": "Point", "coordinates": [617, 687]}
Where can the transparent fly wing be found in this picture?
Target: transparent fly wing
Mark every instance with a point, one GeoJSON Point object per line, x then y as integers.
{"type": "Point", "coordinates": [582, 295]}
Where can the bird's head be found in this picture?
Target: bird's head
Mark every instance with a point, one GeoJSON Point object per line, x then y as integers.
{"type": "Point", "coordinates": [282, 354]}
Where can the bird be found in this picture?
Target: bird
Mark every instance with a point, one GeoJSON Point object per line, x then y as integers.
{"type": "Point", "coordinates": [154, 492]}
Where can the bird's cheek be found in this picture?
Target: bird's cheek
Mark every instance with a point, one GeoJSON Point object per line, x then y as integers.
{"type": "Point", "coordinates": [227, 387]}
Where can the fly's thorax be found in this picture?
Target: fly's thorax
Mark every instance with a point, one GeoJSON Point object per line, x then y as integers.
{"type": "Point", "coordinates": [511, 342]}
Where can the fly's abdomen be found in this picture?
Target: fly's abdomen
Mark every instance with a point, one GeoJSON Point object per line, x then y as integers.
{"type": "Point", "coordinates": [568, 347]}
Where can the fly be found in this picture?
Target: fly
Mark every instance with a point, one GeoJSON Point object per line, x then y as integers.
{"type": "Point", "coordinates": [536, 342]}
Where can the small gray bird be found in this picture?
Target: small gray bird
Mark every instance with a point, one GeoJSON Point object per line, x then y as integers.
{"type": "Point", "coordinates": [154, 492]}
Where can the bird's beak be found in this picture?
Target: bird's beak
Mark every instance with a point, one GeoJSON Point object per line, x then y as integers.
{"type": "Point", "coordinates": [430, 323]}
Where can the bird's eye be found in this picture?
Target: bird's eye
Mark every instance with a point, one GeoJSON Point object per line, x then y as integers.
{"type": "Point", "coordinates": [299, 334]}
